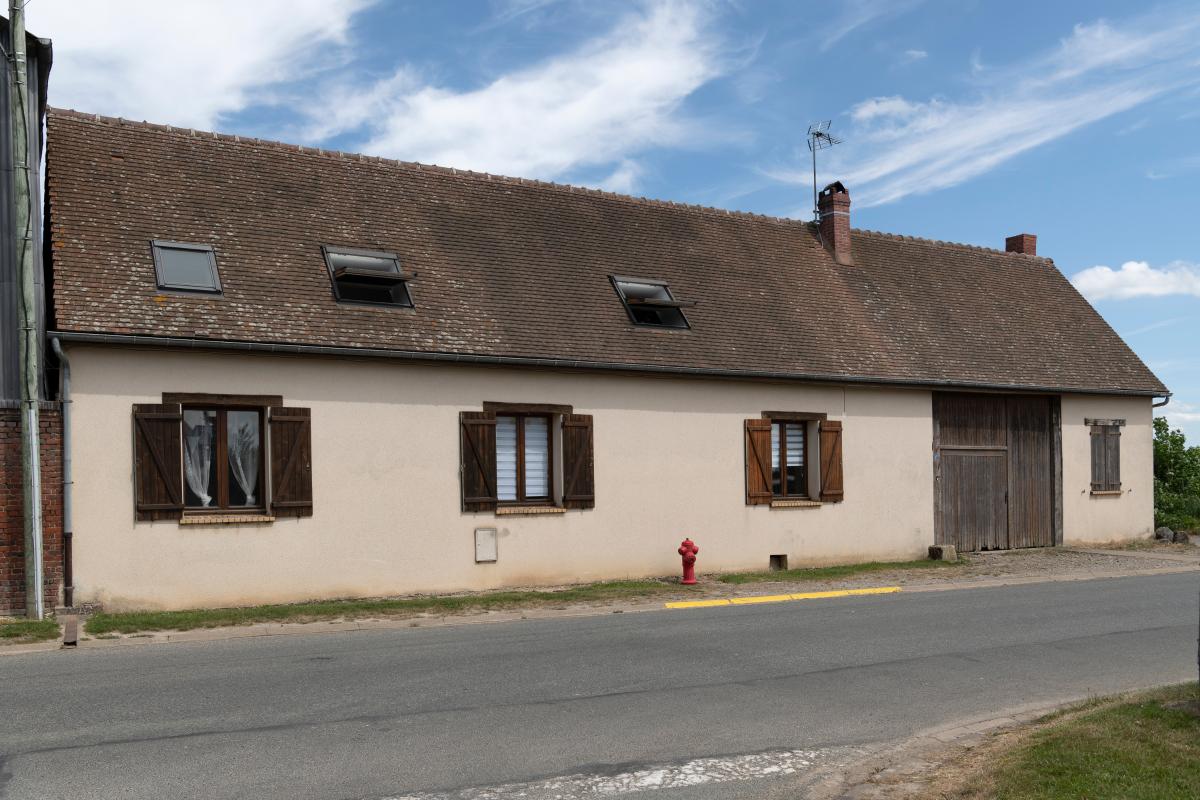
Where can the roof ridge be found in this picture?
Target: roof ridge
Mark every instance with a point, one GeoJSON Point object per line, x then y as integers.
{"type": "Point", "coordinates": [418, 166]}
{"type": "Point", "coordinates": [943, 243]}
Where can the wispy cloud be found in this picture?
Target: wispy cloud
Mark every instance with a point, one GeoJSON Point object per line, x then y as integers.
{"type": "Point", "coordinates": [186, 63]}
{"type": "Point", "coordinates": [898, 146]}
{"type": "Point", "coordinates": [596, 106]}
{"type": "Point", "coordinates": [909, 56]}
{"type": "Point", "coordinates": [1138, 279]}
{"type": "Point", "coordinates": [1153, 326]}
{"type": "Point", "coordinates": [854, 14]}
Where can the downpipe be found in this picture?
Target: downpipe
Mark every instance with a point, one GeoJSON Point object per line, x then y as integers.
{"type": "Point", "coordinates": [68, 482]}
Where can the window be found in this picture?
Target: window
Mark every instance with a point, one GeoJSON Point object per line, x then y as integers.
{"type": "Point", "coordinates": [522, 458]}
{"type": "Point", "coordinates": [367, 277]}
{"type": "Point", "coordinates": [203, 456]}
{"type": "Point", "coordinates": [525, 458]}
{"type": "Point", "coordinates": [222, 458]}
{"type": "Point", "coordinates": [1106, 455]}
{"type": "Point", "coordinates": [779, 448]}
{"type": "Point", "coordinates": [789, 460]}
{"type": "Point", "coordinates": [186, 267]}
{"type": "Point", "coordinates": [650, 303]}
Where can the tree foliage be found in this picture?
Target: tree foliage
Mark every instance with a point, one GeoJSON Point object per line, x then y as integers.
{"type": "Point", "coordinates": [1176, 479]}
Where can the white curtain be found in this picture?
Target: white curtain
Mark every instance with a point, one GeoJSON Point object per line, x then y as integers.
{"type": "Point", "coordinates": [506, 458]}
{"type": "Point", "coordinates": [537, 457]}
{"type": "Point", "coordinates": [243, 451]}
{"type": "Point", "coordinates": [197, 452]}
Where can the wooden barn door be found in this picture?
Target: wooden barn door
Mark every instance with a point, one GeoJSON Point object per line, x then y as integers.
{"type": "Point", "coordinates": [994, 471]}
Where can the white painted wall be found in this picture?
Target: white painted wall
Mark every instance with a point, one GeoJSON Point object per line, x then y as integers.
{"type": "Point", "coordinates": [387, 519]}
{"type": "Point", "coordinates": [1088, 518]}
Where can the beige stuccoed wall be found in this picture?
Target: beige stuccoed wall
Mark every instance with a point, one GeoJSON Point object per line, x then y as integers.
{"type": "Point", "coordinates": [1088, 518]}
{"type": "Point", "coordinates": [387, 518]}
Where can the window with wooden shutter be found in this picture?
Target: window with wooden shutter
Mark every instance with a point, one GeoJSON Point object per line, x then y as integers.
{"type": "Point", "coordinates": [758, 462]}
{"type": "Point", "coordinates": [157, 461]}
{"type": "Point", "coordinates": [1106, 454]}
{"type": "Point", "coordinates": [831, 461]}
{"type": "Point", "coordinates": [291, 461]}
{"type": "Point", "coordinates": [478, 460]}
{"type": "Point", "coordinates": [577, 458]}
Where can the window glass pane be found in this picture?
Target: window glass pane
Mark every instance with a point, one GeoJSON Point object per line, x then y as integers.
{"type": "Point", "coordinates": [244, 454]}
{"type": "Point", "coordinates": [506, 458]}
{"type": "Point", "coordinates": [361, 292]}
{"type": "Point", "coordinates": [186, 269]}
{"type": "Point", "coordinates": [644, 291]}
{"type": "Point", "coordinates": [377, 263]}
{"type": "Point", "coordinates": [795, 459]}
{"type": "Point", "coordinates": [199, 471]}
{"type": "Point", "coordinates": [776, 475]}
{"type": "Point", "coordinates": [537, 457]}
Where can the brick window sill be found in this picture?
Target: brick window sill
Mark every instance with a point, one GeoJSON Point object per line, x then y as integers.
{"type": "Point", "coordinates": [797, 503]}
{"type": "Point", "coordinates": [528, 511]}
{"type": "Point", "coordinates": [1108, 493]}
{"type": "Point", "coordinates": [226, 519]}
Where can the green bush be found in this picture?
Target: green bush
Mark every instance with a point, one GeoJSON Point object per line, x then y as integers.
{"type": "Point", "coordinates": [1176, 479]}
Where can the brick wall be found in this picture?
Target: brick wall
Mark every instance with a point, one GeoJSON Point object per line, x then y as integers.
{"type": "Point", "coordinates": [12, 525]}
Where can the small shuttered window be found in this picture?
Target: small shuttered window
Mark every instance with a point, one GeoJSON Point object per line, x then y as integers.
{"type": "Point", "coordinates": [1106, 454]}
{"type": "Point", "coordinates": [777, 458]}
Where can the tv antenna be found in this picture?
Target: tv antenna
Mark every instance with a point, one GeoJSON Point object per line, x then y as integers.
{"type": "Point", "coordinates": [819, 138]}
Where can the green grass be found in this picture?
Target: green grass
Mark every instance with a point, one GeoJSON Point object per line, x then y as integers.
{"type": "Point", "coordinates": [136, 621]}
{"type": "Point", "coordinates": [28, 630]}
{"type": "Point", "coordinates": [1133, 750]}
{"type": "Point", "coordinates": [830, 573]}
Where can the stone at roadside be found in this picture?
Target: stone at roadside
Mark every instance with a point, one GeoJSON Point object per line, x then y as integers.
{"type": "Point", "coordinates": [943, 552]}
{"type": "Point", "coordinates": [1165, 534]}
{"type": "Point", "coordinates": [1181, 538]}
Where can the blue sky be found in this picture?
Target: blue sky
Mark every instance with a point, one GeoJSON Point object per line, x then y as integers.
{"type": "Point", "coordinates": [964, 121]}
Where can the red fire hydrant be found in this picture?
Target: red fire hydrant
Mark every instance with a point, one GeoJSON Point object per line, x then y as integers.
{"type": "Point", "coordinates": [688, 550]}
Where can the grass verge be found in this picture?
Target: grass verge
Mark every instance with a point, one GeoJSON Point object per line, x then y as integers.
{"type": "Point", "coordinates": [22, 631]}
{"type": "Point", "coordinates": [1136, 748]}
{"type": "Point", "coordinates": [831, 573]}
{"type": "Point", "coordinates": [136, 621]}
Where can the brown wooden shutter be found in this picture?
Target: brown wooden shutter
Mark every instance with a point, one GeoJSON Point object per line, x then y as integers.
{"type": "Point", "coordinates": [1112, 458]}
{"type": "Point", "coordinates": [158, 461]}
{"type": "Point", "coordinates": [1098, 452]}
{"type": "Point", "coordinates": [291, 461]}
{"type": "Point", "coordinates": [758, 462]}
{"type": "Point", "coordinates": [478, 465]}
{"type": "Point", "coordinates": [579, 489]}
{"type": "Point", "coordinates": [831, 461]}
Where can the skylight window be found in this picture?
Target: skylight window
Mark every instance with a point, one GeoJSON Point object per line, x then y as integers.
{"type": "Point", "coordinates": [651, 303]}
{"type": "Point", "coordinates": [186, 267]}
{"type": "Point", "coordinates": [369, 277]}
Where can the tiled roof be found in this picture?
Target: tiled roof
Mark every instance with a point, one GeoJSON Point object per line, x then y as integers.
{"type": "Point", "coordinates": [520, 269]}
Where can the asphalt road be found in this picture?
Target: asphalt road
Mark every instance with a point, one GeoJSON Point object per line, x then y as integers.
{"type": "Point", "coordinates": [574, 706]}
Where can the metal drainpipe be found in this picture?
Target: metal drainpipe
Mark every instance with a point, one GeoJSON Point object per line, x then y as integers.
{"type": "Point", "coordinates": [64, 397]}
{"type": "Point", "coordinates": [1166, 400]}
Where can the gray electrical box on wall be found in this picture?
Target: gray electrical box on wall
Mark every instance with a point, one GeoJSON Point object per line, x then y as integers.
{"type": "Point", "coordinates": [485, 545]}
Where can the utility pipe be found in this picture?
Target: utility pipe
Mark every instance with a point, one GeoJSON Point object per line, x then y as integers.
{"type": "Point", "coordinates": [68, 481]}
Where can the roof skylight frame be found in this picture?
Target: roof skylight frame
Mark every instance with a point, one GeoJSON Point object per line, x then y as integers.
{"type": "Point", "coordinates": [157, 246]}
{"type": "Point", "coordinates": [670, 303]}
{"type": "Point", "coordinates": [394, 278]}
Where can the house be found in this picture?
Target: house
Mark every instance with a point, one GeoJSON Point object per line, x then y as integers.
{"type": "Point", "coordinates": [303, 374]}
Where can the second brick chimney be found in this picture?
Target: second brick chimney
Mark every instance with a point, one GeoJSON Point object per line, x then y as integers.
{"type": "Point", "coordinates": [1021, 243]}
{"type": "Point", "coordinates": [833, 209]}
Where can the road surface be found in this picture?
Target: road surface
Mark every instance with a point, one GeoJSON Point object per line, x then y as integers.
{"type": "Point", "coordinates": [731, 701]}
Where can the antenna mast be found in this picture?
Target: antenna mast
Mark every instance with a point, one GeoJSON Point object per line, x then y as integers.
{"type": "Point", "coordinates": [819, 138]}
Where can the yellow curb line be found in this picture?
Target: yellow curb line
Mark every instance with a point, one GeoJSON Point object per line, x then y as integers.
{"type": "Point", "coordinates": [780, 598]}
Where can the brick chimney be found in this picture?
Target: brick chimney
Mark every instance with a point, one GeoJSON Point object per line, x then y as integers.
{"type": "Point", "coordinates": [1021, 243]}
{"type": "Point", "coordinates": [833, 210]}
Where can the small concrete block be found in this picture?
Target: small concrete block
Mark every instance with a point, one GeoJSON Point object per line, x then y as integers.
{"type": "Point", "coordinates": [70, 625]}
{"type": "Point", "coordinates": [943, 552]}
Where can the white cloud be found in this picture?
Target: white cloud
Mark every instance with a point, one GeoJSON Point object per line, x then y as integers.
{"type": "Point", "coordinates": [624, 178]}
{"type": "Point", "coordinates": [1138, 279]}
{"type": "Point", "coordinates": [185, 63]}
{"type": "Point", "coordinates": [598, 105]}
{"type": "Point", "coordinates": [854, 14]}
{"type": "Point", "coordinates": [898, 146]}
{"type": "Point", "coordinates": [909, 56]}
